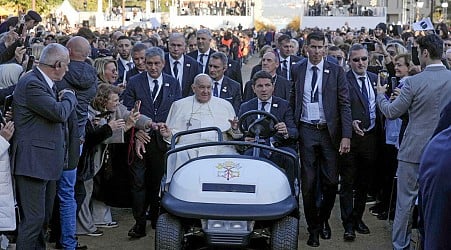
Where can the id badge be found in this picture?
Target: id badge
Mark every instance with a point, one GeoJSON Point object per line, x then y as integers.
{"type": "Point", "coordinates": [313, 111]}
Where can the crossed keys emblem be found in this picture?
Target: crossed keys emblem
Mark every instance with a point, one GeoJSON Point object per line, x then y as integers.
{"type": "Point", "coordinates": [228, 170]}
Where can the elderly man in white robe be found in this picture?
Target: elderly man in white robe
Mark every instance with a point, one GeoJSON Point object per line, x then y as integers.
{"type": "Point", "coordinates": [199, 111]}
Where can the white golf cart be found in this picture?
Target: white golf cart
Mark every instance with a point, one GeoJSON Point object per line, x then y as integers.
{"type": "Point", "coordinates": [230, 200]}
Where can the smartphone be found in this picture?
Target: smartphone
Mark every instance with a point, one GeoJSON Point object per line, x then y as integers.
{"type": "Point", "coordinates": [7, 104]}
{"type": "Point", "coordinates": [394, 83]}
{"type": "Point", "coordinates": [137, 106]}
{"type": "Point", "coordinates": [26, 43]}
{"type": "Point", "coordinates": [30, 63]}
{"type": "Point", "coordinates": [369, 46]}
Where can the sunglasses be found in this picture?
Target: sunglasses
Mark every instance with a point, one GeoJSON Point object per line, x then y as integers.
{"type": "Point", "coordinates": [357, 59]}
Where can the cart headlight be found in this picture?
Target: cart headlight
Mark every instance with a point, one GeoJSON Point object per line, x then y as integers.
{"type": "Point", "coordinates": [227, 225]}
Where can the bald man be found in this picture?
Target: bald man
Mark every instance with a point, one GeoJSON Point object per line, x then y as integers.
{"type": "Point", "coordinates": [82, 78]}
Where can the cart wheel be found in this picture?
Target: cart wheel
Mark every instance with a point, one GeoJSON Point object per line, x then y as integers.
{"type": "Point", "coordinates": [168, 233]}
{"type": "Point", "coordinates": [284, 235]}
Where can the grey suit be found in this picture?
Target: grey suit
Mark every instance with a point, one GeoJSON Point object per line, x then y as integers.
{"type": "Point", "coordinates": [423, 96]}
{"type": "Point", "coordinates": [37, 153]}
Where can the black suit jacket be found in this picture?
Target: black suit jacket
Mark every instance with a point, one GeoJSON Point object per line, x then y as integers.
{"type": "Point", "coordinates": [445, 119]}
{"type": "Point", "coordinates": [138, 89]}
{"type": "Point", "coordinates": [234, 71]}
{"type": "Point", "coordinates": [230, 91]}
{"type": "Point", "coordinates": [255, 69]}
{"type": "Point", "coordinates": [130, 74]}
{"type": "Point", "coordinates": [359, 107]}
{"type": "Point", "coordinates": [38, 148]}
{"type": "Point", "coordinates": [196, 53]}
{"type": "Point", "coordinates": [279, 108]}
{"type": "Point", "coordinates": [335, 99]}
{"type": "Point", "coordinates": [282, 89]}
{"type": "Point", "coordinates": [191, 68]}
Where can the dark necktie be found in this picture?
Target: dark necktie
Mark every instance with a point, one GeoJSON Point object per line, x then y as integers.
{"type": "Point", "coordinates": [285, 69]}
{"type": "Point", "coordinates": [263, 106]}
{"type": "Point", "coordinates": [366, 122]}
{"type": "Point", "coordinates": [55, 90]}
{"type": "Point", "coordinates": [364, 90]}
{"type": "Point", "coordinates": [176, 70]}
{"type": "Point", "coordinates": [155, 89]}
{"type": "Point", "coordinates": [215, 89]}
{"type": "Point", "coordinates": [201, 58]}
{"type": "Point", "coordinates": [314, 95]}
{"type": "Point", "coordinates": [129, 66]}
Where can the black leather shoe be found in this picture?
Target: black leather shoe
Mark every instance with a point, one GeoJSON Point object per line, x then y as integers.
{"type": "Point", "coordinates": [78, 247]}
{"type": "Point", "coordinates": [325, 232]}
{"type": "Point", "coordinates": [349, 234]}
{"type": "Point", "coordinates": [81, 247]}
{"type": "Point", "coordinates": [313, 240]}
{"type": "Point", "coordinates": [137, 231]}
{"type": "Point", "coordinates": [361, 228]}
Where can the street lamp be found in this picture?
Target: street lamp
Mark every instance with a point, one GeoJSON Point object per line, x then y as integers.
{"type": "Point", "coordinates": [445, 10]}
{"type": "Point", "coordinates": [419, 6]}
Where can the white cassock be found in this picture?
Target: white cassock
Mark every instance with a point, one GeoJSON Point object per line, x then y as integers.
{"type": "Point", "coordinates": [188, 113]}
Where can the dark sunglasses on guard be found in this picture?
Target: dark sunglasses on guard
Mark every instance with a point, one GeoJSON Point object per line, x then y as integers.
{"type": "Point", "coordinates": [357, 59]}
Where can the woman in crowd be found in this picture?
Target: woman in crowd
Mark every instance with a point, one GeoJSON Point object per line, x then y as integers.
{"type": "Point", "coordinates": [7, 201]}
{"type": "Point", "coordinates": [108, 120]}
{"type": "Point", "coordinates": [106, 70]}
{"type": "Point", "coordinates": [9, 74]}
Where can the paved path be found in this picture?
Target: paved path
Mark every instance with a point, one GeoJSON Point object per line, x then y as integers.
{"type": "Point", "coordinates": [379, 239]}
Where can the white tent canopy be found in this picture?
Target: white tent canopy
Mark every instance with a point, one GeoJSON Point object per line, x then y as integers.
{"type": "Point", "coordinates": [66, 9]}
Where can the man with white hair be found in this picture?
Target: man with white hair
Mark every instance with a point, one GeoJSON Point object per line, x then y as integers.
{"type": "Point", "coordinates": [199, 111]}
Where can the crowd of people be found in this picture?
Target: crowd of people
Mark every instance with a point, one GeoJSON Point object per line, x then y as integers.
{"type": "Point", "coordinates": [213, 8]}
{"type": "Point", "coordinates": [89, 117]}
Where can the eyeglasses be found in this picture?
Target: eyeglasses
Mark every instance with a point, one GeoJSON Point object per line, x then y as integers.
{"type": "Point", "coordinates": [357, 59]}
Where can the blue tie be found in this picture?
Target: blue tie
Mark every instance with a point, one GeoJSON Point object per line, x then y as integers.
{"type": "Point", "coordinates": [314, 95]}
{"type": "Point", "coordinates": [176, 70]}
{"type": "Point", "coordinates": [216, 90]}
{"type": "Point", "coordinates": [263, 106]}
{"type": "Point", "coordinates": [285, 69]}
{"type": "Point", "coordinates": [155, 89]}
{"type": "Point", "coordinates": [364, 90]}
{"type": "Point", "coordinates": [366, 99]}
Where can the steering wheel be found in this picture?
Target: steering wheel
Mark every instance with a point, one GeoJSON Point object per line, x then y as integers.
{"type": "Point", "coordinates": [262, 126]}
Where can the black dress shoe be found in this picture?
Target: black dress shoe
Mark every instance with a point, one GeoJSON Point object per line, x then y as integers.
{"type": "Point", "coordinates": [361, 228]}
{"type": "Point", "coordinates": [325, 232]}
{"type": "Point", "coordinates": [313, 240]}
{"type": "Point", "coordinates": [349, 234]}
{"type": "Point", "coordinates": [137, 231]}
{"type": "Point", "coordinates": [78, 247]}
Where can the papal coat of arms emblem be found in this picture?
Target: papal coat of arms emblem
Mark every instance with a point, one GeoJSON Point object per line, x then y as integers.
{"type": "Point", "coordinates": [228, 170]}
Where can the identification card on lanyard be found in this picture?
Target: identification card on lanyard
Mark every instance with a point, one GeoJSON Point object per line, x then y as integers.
{"type": "Point", "coordinates": [313, 111]}
{"type": "Point", "coordinates": [313, 107]}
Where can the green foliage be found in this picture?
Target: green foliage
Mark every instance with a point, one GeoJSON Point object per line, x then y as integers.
{"type": "Point", "coordinates": [42, 6]}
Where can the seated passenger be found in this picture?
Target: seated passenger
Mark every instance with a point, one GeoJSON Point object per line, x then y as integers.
{"type": "Point", "coordinates": [199, 111]}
